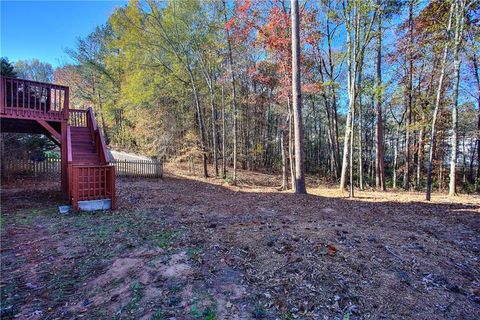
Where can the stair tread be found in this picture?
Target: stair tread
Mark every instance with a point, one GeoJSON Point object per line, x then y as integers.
{"type": "Point", "coordinates": [86, 162]}
{"type": "Point", "coordinates": [85, 155]}
{"type": "Point", "coordinates": [86, 158]}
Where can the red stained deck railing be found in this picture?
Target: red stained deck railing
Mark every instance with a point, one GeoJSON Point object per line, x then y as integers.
{"type": "Point", "coordinates": [98, 137]}
{"type": "Point", "coordinates": [86, 119]}
{"type": "Point", "coordinates": [27, 99]}
{"type": "Point", "coordinates": [77, 118]}
{"type": "Point", "coordinates": [69, 162]}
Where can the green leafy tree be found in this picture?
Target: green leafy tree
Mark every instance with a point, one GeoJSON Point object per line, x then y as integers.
{"type": "Point", "coordinates": [6, 68]}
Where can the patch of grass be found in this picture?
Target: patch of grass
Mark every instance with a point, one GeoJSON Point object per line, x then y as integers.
{"type": "Point", "coordinates": [229, 180]}
{"type": "Point", "coordinates": [10, 297]}
{"type": "Point", "coordinates": [27, 217]}
{"type": "Point", "coordinates": [132, 306]}
{"type": "Point", "coordinates": [174, 289]}
{"type": "Point", "coordinates": [89, 242]}
{"type": "Point", "coordinates": [115, 282]}
{"type": "Point", "coordinates": [109, 233]}
{"type": "Point", "coordinates": [62, 284]}
{"type": "Point", "coordinates": [193, 252]}
{"type": "Point", "coordinates": [164, 238]}
{"type": "Point", "coordinates": [259, 312]}
{"type": "Point", "coordinates": [205, 311]}
{"type": "Point", "coordinates": [158, 315]}
{"type": "Point", "coordinates": [210, 315]}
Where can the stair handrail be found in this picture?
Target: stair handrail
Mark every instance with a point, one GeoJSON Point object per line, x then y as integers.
{"type": "Point", "coordinates": [69, 145]}
{"type": "Point", "coordinates": [69, 179]}
{"type": "Point", "coordinates": [47, 84]}
{"type": "Point", "coordinates": [98, 136]}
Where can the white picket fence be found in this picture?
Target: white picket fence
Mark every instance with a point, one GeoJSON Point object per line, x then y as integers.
{"type": "Point", "coordinates": [51, 166]}
{"type": "Point", "coordinates": [19, 166]}
{"type": "Point", "coordinates": [138, 168]}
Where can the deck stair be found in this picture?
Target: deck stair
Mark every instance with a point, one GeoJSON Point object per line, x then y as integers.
{"type": "Point", "coordinates": [36, 107]}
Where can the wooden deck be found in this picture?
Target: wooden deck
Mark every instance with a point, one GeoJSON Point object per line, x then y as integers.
{"type": "Point", "coordinates": [37, 107]}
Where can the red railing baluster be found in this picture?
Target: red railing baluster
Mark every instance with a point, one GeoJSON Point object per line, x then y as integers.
{"type": "Point", "coordinates": [16, 94]}
{"type": "Point", "coordinates": [16, 99]}
{"type": "Point", "coordinates": [53, 106]}
{"type": "Point", "coordinates": [28, 97]}
{"type": "Point", "coordinates": [23, 98]}
{"type": "Point", "coordinates": [34, 92]}
{"type": "Point", "coordinates": [11, 95]}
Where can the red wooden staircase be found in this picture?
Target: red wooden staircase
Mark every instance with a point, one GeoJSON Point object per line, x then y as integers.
{"type": "Point", "coordinates": [37, 107]}
{"type": "Point", "coordinates": [83, 147]}
{"type": "Point", "coordinates": [88, 160]}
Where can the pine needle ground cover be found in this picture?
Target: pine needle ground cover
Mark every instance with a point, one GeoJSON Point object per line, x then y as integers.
{"type": "Point", "coordinates": [194, 248]}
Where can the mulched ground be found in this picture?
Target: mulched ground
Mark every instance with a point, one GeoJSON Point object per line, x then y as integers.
{"type": "Point", "coordinates": [191, 248]}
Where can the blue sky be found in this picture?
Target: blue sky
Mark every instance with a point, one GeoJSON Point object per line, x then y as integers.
{"type": "Point", "coordinates": [43, 29]}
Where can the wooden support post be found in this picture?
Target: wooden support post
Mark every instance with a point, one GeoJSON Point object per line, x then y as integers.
{"type": "Point", "coordinates": [64, 165]}
{"type": "Point", "coordinates": [112, 187]}
{"type": "Point", "coordinates": [66, 103]}
{"type": "Point", "coordinates": [3, 98]}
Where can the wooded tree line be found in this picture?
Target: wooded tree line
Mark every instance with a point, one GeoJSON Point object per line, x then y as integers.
{"type": "Point", "coordinates": [390, 88]}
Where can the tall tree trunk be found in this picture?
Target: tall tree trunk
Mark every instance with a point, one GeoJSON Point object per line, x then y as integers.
{"type": "Point", "coordinates": [291, 157]}
{"type": "Point", "coordinates": [300, 187]}
{"type": "Point", "coordinates": [283, 151]}
{"type": "Point", "coordinates": [234, 97]}
{"type": "Point", "coordinates": [477, 78]}
{"type": "Point", "coordinates": [472, 160]}
{"type": "Point", "coordinates": [336, 134]}
{"type": "Point", "coordinates": [201, 124]}
{"type": "Point", "coordinates": [355, 50]}
{"type": "Point", "coordinates": [406, 174]}
{"type": "Point", "coordinates": [360, 127]}
{"type": "Point", "coordinates": [437, 106]}
{"type": "Point", "coordinates": [464, 156]}
{"type": "Point", "coordinates": [106, 136]}
{"type": "Point", "coordinates": [214, 131]}
{"type": "Point", "coordinates": [346, 142]}
{"type": "Point", "coordinates": [224, 138]}
{"type": "Point", "coordinates": [351, 105]}
{"type": "Point", "coordinates": [333, 96]}
{"type": "Point", "coordinates": [330, 129]}
{"type": "Point", "coordinates": [395, 158]}
{"type": "Point", "coordinates": [244, 132]}
{"type": "Point", "coordinates": [353, 88]}
{"type": "Point", "coordinates": [352, 135]}
{"type": "Point", "coordinates": [459, 18]}
{"type": "Point", "coordinates": [379, 139]}
{"type": "Point", "coordinates": [420, 153]}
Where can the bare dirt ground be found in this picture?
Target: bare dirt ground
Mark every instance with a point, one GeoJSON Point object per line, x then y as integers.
{"type": "Point", "coordinates": [191, 248]}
